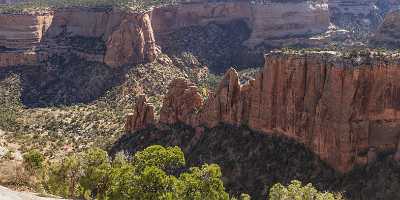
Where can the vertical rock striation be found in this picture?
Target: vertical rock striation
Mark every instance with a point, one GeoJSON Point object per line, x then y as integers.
{"type": "Point", "coordinates": [106, 35]}
{"type": "Point", "coordinates": [132, 42]}
{"type": "Point", "coordinates": [343, 109]}
{"type": "Point", "coordinates": [182, 103]}
{"type": "Point", "coordinates": [142, 117]}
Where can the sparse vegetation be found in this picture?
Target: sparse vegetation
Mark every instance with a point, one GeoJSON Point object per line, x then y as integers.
{"type": "Point", "coordinates": [78, 110]}
{"type": "Point", "coordinates": [237, 150]}
{"type": "Point", "coordinates": [45, 5]}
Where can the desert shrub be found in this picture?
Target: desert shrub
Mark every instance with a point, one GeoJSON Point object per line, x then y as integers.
{"type": "Point", "coordinates": [64, 177]}
{"type": "Point", "coordinates": [33, 161]}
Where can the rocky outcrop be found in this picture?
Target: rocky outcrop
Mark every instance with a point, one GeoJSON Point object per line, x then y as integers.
{"type": "Point", "coordinates": [19, 37]}
{"type": "Point", "coordinates": [106, 35]}
{"type": "Point", "coordinates": [133, 42]}
{"type": "Point", "coordinates": [245, 27]}
{"type": "Point", "coordinates": [343, 109]}
{"type": "Point", "coordinates": [388, 34]}
{"type": "Point", "coordinates": [182, 103]}
{"type": "Point", "coordinates": [142, 117]}
{"type": "Point", "coordinates": [268, 20]}
{"type": "Point", "coordinates": [23, 31]}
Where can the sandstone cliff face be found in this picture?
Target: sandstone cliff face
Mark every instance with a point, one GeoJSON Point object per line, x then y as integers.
{"type": "Point", "coordinates": [237, 33]}
{"type": "Point", "coordinates": [19, 37]}
{"type": "Point", "coordinates": [269, 21]}
{"type": "Point", "coordinates": [133, 42]}
{"type": "Point", "coordinates": [342, 110]}
{"type": "Point", "coordinates": [111, 36]}
{"type": "Point", "coordinates": [142, 117]}
{"type": "Point", "coordinates": [103, 35]}
{"type": "Point", "coordinates": [181, 103]}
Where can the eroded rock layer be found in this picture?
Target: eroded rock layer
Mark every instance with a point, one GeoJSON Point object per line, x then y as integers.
{"type": "Point", "coordinates": [343, 109]}
{"type": "Point", "coordinates": [104, 35]}
{"type": "Point", "coordinates": [142, 117]}
{"type": "Point", "coordinates": [223, 34]}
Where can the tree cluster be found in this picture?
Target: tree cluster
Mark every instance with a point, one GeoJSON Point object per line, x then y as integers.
{"type": "Point", "coordinates": [154, 173]}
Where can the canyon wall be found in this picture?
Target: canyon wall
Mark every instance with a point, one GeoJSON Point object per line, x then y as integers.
{"type": "Point", "coordinates": [268, 20]}
{"type": "Point", "coordinates": [104, 35]}
{"type": "Point", "coordinates": [346, 110]}
{"type": "Point", "coordinates": [220, 34]}
{"type": "Point", "coordinates": [224, 34]}
{"type": "Point", "coordinates": [19, 37]}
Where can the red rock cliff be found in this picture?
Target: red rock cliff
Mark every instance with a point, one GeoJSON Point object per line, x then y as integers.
{"type": "Point", "coordinates": [111, 36]}
{"type": "Point", "coordinates": [341, 110]}
{"type": "Point", "coordinates": [271, 22]}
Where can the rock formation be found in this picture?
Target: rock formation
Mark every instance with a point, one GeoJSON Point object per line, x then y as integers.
{"type": "Point", "coordinates": [104, 35]}
{"type": "Point", "coordinates": [142, 117]}
{"type": "Point", "coordinates": [182, 102]}
{"type": "Point", "coordinates": [19, 36]}
{"type": "Point", "coordinates": [133, 42]}
{"type": "Point", "coordinates": [247, 28]}
{"type": "Point", "coordinates": [268, 20]}
{"type": "Point", "coordinates": [343, 109]}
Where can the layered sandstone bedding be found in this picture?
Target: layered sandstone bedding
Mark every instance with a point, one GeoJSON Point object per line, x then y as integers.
{"type": "Point", "coordinates": [119, 37]}
{"type": "Point", "coordinates": [342, 107]}
{"type": "Point", "coordinates": [220, 33]}
{"type": "Point", "coordinates": [103, 35]}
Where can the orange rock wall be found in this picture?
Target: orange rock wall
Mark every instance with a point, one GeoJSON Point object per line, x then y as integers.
{"type": "Point", "coordinates": [341, 110]}
{"type": "Point", "coordinates": [128, 37]}
{"type": "Point", "coordinates": [268, 21]}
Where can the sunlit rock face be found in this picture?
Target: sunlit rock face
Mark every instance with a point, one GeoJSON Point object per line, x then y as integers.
{"type": "Point", "coordinates": [344, 109]}
{"type": "Point", "coordinates": [20, 36]}
{"type": "Point", "coordinates": [142, 116]}
{"type": "Point", "coordinates": [210, 30]}
{"type": "Point", "coordinates": [104, 35]}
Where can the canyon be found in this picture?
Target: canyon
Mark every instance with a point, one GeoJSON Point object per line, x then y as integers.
{"type": "Point", "coordinates": [344, 109]}
{"type": "Point", "coordinates": [220, 34]}
{"type": "Point", "coordinates": [118, 38]}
